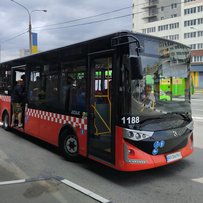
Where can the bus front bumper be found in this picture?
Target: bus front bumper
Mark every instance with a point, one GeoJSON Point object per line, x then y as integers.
{"type": "Point", "coordinates": [130, 158]}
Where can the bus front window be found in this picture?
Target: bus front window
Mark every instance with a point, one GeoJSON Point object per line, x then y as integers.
{"type": "Point", "coordinates": [163, 92]}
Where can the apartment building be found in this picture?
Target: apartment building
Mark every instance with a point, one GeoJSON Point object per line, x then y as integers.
{"type": "Point", "coordinates": [178, 20]}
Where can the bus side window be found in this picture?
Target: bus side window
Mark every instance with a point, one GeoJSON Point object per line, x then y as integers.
{"type": "Point", "coordinates": [67, 92]}
{"type": "Point", "coordinates": [81, 95]}
{"type": "Point", "coordinates": [49, 87]}
{"type": "Point", "coordinates": [5, 77]}
{"type": "Point", "coordinates": [73, 86]}
{"type": "Point", "coordinates": [74, 94]}
{"type": "Point", "coordinates": [34, 86]}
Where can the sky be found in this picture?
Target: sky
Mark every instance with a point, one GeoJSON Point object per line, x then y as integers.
{"type": "Point", "coordinates": [54, 27]}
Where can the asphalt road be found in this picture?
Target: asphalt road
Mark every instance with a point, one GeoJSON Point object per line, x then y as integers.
{"type": "Point", "coordinates": [22, 157]}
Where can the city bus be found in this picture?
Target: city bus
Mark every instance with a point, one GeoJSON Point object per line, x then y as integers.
{"type": "Point", "coordinates": [92, 99]}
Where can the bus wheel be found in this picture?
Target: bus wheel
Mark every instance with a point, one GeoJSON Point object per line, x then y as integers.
{"type": "Point", "coordinates": [69, 145]}
{"type": "Point", "coordinates": [6, 121]}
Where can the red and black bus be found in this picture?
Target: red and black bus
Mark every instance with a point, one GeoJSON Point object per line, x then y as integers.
{"type": "Point", "coordinates": [104, 99]}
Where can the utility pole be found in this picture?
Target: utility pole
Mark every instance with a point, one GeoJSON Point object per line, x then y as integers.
{"type": "Point", "coordinates": [30, 22]}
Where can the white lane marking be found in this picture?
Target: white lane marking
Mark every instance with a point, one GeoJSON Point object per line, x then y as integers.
{"type": "Point", "coordinates": [194, 100]}
{"type": "Point", "coordinates": [198, 118]}
{"type": "Point", "coordinates": [199, 180]}
{"type": "Point", "coordinates": [12, 182]}
{"type": "Point", "coordinates": [85, 191]}
{"type": "Point", "coordinates": [66, 182]}
{"type": "Point", "coordinates": [193, 109]}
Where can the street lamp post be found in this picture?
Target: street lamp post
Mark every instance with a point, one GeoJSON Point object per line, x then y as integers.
{"type": "Point", "coordinates": [30, 22]}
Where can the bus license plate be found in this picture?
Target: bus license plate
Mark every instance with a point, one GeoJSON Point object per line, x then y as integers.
{"type": "Point", "coordinates": [173, 157]}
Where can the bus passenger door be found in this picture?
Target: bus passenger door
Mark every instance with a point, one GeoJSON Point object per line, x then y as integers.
{"type": "Point", "coordinates": [100, 136]}
{"type": "Point", "coordinates": [18, 73]}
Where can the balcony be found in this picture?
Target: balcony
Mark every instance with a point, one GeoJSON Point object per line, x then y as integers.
{"type": "Point", "coordinates": [150, 14]}
{"type": "Point", "coordinates": [151, 4]}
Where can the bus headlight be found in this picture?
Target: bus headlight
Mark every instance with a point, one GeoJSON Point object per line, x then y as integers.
{"type": "Point", "coordinates": [136, 135]}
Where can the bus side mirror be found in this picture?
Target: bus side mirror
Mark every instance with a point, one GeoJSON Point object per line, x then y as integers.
{"type": "Point", "coordinates": [136, 67]}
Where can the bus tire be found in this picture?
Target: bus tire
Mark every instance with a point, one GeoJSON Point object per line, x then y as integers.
{"type": "Point", "coordinates": [69, 145]}
{"type": "Point", "coordinates": [5, 121]}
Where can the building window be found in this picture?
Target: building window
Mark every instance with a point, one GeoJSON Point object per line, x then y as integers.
{"type": "Point", "coordinates": [186, 1]}
{"type": "Point", "coordinates": [151, 29]}
{"type": "Point", "coordinates": [193, 46]}
{"type": "Point", "coordinates": [200, 21]}
{"type": "Point", "coordinates": [190, 22]}
{"type": "Point", "coordinates": [173, 5]}
{"type": "Point", "coordinates": [200, 33]}
{"type": "Point", "coordinates": [173, 26]}
{"type": "Point", "coordinates": [200, 8]}
{"type": "Point", "coordinates": [193, 22]}
{"type": "Point", "coordinates": [190, 11]}
{"type": "Point", "coordinates": [172, 37]}
{"type": "Point", "coordinates": [200, 46]}
{"type": "Point", "coordinates": [196, 46]}
{"type": "Point", "coordinates": [144, 31]}
{"type": "Point", "coordinates": [168, 27]}
{"type": "Point", "coordinates": [197, 59]}
{"type": "Point", "coordinates": [190, 35]}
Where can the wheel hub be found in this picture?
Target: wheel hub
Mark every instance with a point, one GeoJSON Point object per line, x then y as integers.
{"type": "Point", "coordinates": [71, 145]}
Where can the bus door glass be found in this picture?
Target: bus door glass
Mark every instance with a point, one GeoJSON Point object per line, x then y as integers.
{"type": "Point", "coordinates": [17, 75]}
{"type": "Point", "coordinates": [100, 130]}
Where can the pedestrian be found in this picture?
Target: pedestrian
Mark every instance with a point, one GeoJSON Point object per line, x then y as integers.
{"type": "Point", "coordinates": [17, 99]}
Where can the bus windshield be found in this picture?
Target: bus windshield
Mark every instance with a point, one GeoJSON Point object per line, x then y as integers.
{"type": "Point", "coordinates": [164, 91]}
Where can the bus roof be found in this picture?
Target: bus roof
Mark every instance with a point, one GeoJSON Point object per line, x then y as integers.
{"type": "Point", "coordinates": [108, 36]}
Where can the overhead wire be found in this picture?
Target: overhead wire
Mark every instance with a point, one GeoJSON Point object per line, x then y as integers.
{"type": "Point", "coordinates": [96, 21]}
{"type": "Point", "coordinates": [84, 18]}
{"type": "Point", "coordinates": [13, 37]}
{"type": "Point", "coordinates": [105, 13]}
{"type": "Point", "coordinates": [87, 23]}
{"type": "Point", "coordinates": [93, 16]}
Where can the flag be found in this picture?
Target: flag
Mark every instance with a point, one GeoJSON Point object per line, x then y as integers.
{"type": "Point", "coordinates": [34, 43]}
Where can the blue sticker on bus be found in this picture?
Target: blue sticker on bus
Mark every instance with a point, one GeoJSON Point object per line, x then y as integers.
{"type": "Point", "coordinates": [156, 145]}
{"type": "Point", "coordinates": [82, 132]}
{"type": "Point", "coordinates": [155, 151]}
{"type": "Point", "coordinates": [162, 143]}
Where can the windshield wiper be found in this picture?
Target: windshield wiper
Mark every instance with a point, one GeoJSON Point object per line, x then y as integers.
{"type": "Point", "coordinates": [185, 115]}
{"type": "Point", "coordinates": [150, 119]}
